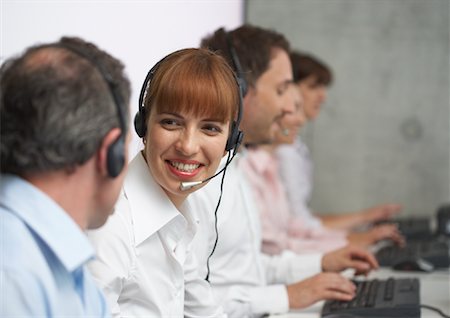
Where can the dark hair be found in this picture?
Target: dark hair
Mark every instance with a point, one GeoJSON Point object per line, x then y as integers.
{"type": "Point", "coordinates": [56, 107]}
{"type": "Point", "coordinates": [196, 81]}
{"type": "Point", "coordinates": [305, 65]}
{"type": "Point", "coordinates": [254, 47]}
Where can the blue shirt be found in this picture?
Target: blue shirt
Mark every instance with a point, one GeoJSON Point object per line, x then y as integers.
{"type": "Point", "coordinates": [43, 257]}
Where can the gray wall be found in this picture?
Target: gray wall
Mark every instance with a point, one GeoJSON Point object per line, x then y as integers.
{"type": "Point", "coordinates": [383, 134]}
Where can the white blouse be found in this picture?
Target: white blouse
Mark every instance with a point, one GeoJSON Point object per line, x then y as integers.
{"type": "Point", "coordinates": [245, 281]}
{"type": "Point", "coordinates": [144, 262]}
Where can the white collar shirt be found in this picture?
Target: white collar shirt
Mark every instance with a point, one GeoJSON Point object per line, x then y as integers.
{"type": "Point", "coordinates": [296, 172]}
{"type": "Point", "coordinates": [247, 282]}
{"type": "Point", "coordinates": [145, 264]}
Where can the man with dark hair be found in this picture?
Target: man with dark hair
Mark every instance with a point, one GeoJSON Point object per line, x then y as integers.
{"type": "Point", "coordinates": [247, 282]}
{"type": "Point", "coordinates": [64, 140]}
{"type": "Point", "coordinates": [261, 61]}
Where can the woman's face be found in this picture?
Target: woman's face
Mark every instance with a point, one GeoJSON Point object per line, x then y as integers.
{"type": "Point", "coordinates": [182, 147]}
{"type": "Point", "coordinates": [290, 123]}
{"type": "Point", "coordinates": [314, 95]}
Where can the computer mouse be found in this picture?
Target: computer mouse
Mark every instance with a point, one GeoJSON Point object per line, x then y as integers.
{"type": "Point", "coordinates": [413, 264]}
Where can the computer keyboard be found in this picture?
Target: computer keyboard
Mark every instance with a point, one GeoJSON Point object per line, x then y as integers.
{"type": "Point", "coordinates": [437, 252]}
{"type": "Point", "coordinates": [393, 297]}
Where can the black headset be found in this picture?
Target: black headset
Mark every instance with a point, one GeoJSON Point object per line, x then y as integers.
{"type": "Point", "coordinates": [235, 136]}
{"type": "Point", "coordinates": [237, 65]}
{"type": "Point", "coordinates": [115, 160]}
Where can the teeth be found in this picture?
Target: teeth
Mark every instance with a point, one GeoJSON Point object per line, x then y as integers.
{"type": "Point", "coordinates": [185, 167]}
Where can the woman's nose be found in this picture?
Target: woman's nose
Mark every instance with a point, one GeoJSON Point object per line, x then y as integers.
{"type": "Point", "coordinates": [187, 143]}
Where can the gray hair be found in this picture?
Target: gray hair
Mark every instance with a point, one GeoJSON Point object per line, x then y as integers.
{"type": "Point", "coordinates": [56, 107]}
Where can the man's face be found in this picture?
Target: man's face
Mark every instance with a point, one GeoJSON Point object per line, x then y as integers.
{"type": "Point", "coordinates": [290, 124]}
{"type": "Point", "coordinates": [267, 102]}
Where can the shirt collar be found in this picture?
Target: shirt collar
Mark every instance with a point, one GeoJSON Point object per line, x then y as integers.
{"type": "Point", "coordinates": [49, 221]}
{"type": "Point", "coordinates": [150, 207]}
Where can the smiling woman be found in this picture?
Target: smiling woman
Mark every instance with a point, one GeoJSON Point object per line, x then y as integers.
{"type": "Point", "coordinates": [188, 120]}
{"type": "Point", "coordinates": [187, 106]}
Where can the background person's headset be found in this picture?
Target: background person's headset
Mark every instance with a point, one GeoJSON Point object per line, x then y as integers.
{"type": "Point", "coordinates": [115, 160]}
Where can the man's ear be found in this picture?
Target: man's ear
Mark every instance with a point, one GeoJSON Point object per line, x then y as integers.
{"type": "Point", "coordinates": [102, 151]}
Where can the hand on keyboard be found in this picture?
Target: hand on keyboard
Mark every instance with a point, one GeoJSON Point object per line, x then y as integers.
{"type": "Point", "coordinates": [349, 257]}
{"type": "Point", "coordinates": [379, 298]}
{"type": "Point", "coordinates": [376, 234]}
{"type": "Point", "coordinates": [381, 212]}
{"type": "Point", "coordinates": [320, 287]}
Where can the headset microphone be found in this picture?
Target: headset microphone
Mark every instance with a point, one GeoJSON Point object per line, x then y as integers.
{"type": "Point", "coordinates": [184, 186]}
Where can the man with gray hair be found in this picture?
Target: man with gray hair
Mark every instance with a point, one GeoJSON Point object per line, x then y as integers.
{"type": "Point", "coordinates": [64, 140]}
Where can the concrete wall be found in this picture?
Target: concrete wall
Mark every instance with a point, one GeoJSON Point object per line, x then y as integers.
{"type": "Point", "coordinates": [384, 132]}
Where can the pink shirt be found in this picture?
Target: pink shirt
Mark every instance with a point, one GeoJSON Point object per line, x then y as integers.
{"type": "Point", "coordinates": [280, 229]}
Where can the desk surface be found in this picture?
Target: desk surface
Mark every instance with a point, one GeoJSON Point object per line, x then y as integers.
{"type": "Point", "coordinates": [434, 291]}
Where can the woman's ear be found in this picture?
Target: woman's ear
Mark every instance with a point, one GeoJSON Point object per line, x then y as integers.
{"type": "Point", "coordinates": [102, 151]}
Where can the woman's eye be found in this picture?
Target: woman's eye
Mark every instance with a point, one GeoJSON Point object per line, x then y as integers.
{"type": "Point", "coordinates": [212, 129]}
{"type": "Point", "coordinates": [169, 123]}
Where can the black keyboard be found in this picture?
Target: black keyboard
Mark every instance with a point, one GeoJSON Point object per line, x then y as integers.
{"type": "Point", "coordinates": [437, 252]}
{"type": "Point", "coordinates": [394, 297]}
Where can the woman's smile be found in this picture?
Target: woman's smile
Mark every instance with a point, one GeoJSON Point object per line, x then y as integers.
{"type": "Point", "coordinates": [184, 169]}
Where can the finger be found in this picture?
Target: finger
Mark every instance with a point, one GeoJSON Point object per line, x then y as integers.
{"type": "Point", "coordinates": [387, 228]}
{"type": "Point", "coordinates": [360, 266]}
{"type": "Point", "coordinates": [338, 295]}
{"type": "Point", "coordinates": [394, 208]}
{"type": "Point", "coordinates": [387, 233]}
{"type": "Point", "coordinates": [343, 286]}
{"type": "Point", "coordinates": [340, 283]}
{"type": "Point", "coordinates": [401, 241]}
{"type": "Point", "coordinates": [364, 265]}
{"type": "Point", "coordinates": [365, 256]}
{"type": "Point", "coordinates": [398, 238]}
{"type": "Point", "coordinates": [361, 274]}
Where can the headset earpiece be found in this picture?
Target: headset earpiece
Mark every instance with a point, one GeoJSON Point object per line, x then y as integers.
{"type": "Point", "coordinates": [139, 123]}
{"type": "Point", "coordinates": [232, 138]}
{"type": "Point", "coordinates": [235, 138]}
{"type": "Point", "coordinates": [116, 157]}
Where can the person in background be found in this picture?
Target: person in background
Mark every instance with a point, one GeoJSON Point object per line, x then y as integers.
{"type": "Point", "coordinates": [246, 281]}
{"type": "Point", "coordinates": [312, 78]}
{"type": "Point", "coordinates": [188, 103]}
{"type": "Point", "coordinates": [282, 230]}
{"type": "Point", "coordinates": [64, 140]}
